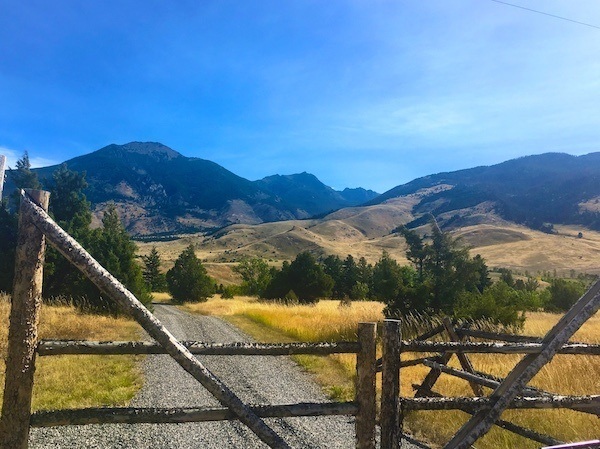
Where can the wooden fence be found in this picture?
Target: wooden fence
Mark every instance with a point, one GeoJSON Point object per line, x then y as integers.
{"type": "Point", "coordinates": [511, 392]}
{"type": "Point", "coordinates": [35, 227]}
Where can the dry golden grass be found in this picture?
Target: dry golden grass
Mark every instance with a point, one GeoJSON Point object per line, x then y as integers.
{"type": "Point", "coordinates": [78, 381]}
{"type": "Point", "coordinates": [327, 321]}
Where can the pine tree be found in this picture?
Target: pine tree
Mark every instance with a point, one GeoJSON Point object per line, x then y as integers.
{"type": "Point", "coordinates": [304, 276]}
{"type": "Point", "coordinates": [115, 251]}
{"type": "Point", "coordinates": [155, 280]}
{"type": "Point", "coordinates": [8, 231]}
{"type": "Point", "coordinates": [23, 178]}
{"type": "Point", "coordinates": [71, 210]}
{"type": "Point", "coordinates": [188, 280]}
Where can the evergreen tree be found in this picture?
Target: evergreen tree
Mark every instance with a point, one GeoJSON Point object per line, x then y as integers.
{"type": "Point", "coordinates": [71, 210]}
{"type": "Point", "coordinates": [188, 279]}
{"type": "Point", "coordinates": [153, 277]}
{"type": "Point", "coordinates": [444, 273]}
{"type": "Point", "coordinates": [68, 204]}
{"type": "Point", "coordinates": [304, 276]}
{"type": "Point", "coordinates": [112, 247]}
{"type": "Point", "coordinates": [23, 178]}
{"type": "Point", "coordinates": [350, 276]}
{"type": "Point", "coordinates": [333, 266]}
{"type": "Point", "coordinates": [8, 231]}
{"type": "Point", "coordinates": [387, 278]}
{"type": "Point", "coordinates": [307, 278]}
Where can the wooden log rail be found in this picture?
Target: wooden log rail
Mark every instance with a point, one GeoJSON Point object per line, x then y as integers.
{"type": "Point", "coordinates": [496, 348]}
{"type": "Point", "coordinates": [122, 415]}
{"type": "Point", "coordinates": [80, 347]}
{"type": "Point", "coordinates": [474, 404]}
{"type": "Point", "coordinates": [484, 335]}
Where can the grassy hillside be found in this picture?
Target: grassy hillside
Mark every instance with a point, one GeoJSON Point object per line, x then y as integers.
{"type": "Point", "coordinates": [502, 244]}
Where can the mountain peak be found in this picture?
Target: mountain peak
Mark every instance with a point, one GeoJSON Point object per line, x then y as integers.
{"type": "Point", "coordinates": [152, 149]}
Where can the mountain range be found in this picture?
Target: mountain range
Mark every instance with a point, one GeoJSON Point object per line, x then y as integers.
{"type": "Point", "coordinates": [159, 191]}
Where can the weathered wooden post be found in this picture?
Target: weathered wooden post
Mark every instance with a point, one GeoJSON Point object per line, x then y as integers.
{"type": "Point", "coordinates": [366, 371]}
{"type": "Point", "coordinates": [23, 330]}
{"type": "Point", "coordinates": [2, 164]}
{"type": "Point", "coordinates": [390, 420]}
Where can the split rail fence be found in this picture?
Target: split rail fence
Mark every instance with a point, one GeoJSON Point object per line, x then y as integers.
{"type": "Point", "coordinates": [35, 226]}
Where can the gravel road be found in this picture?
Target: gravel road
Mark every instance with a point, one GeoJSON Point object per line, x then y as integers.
{"type": "Point", "coordinates": [256, 380]}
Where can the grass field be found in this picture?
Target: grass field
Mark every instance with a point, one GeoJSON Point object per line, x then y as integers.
{"type": "Point", "coordinates": [78, 381]}
{"type": "Point", "coordinates": [327, 321]}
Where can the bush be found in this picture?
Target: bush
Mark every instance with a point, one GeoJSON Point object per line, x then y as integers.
{"type": "Point", "coordinates": [563, 294]}
{"type": "Point", "coordinates": [499, 304]}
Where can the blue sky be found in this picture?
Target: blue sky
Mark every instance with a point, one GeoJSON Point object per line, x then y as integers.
{"type": "Point", "coordinates": [359, 93]}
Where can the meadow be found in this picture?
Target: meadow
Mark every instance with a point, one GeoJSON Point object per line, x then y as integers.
{"type": "Point", "coordinates": [328, 321]}
{"type": "Point", "coordinates": [79, 380]}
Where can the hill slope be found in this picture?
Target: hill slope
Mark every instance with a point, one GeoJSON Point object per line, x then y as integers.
{"type": "Point", "coordinates": [533, 190]}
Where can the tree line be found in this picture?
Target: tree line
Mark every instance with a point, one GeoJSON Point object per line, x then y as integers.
{"type": "Point", "coordinates": [442, 278]}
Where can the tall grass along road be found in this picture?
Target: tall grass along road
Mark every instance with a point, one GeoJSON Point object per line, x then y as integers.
{"type": "Point", "coordinates": [255, 379]}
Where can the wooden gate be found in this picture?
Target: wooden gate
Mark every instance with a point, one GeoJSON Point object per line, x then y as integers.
{"type": "Point", "coordinates": [35, 226]}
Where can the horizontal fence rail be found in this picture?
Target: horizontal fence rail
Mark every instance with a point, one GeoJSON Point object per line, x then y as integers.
{"type": "Point", "coordinates": [591, 402]}
{"type": "Point", "coordinates": [122, 415]}
{"type": "Point", "coordinates": [496, 348]}
{"type": "Point", "coordinates": [80, 347]}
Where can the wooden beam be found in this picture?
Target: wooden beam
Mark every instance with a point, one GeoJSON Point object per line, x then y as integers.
{"type": "Point", "coordinates": [23, 327]}
{"type": "Point", "coordinates": [82, 260]}
{"type": "Point", "coordinates": [496, 348]}
{"type": "Point", "coordinates": [366, 371]}
{"type": "Point", "coordinates": [390, 419]}
{"type": "Point", "coordinates": [119, 415]}
{"type": "Point", "coordinates": [528, 367]}
{"type": "Point", "coordinates": [62, 347]}
{"type": "Point", "coordinates": [474, 404]}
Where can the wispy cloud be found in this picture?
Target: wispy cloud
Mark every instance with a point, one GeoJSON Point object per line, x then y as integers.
{"type": "Point", "coordinates": [12, 156]}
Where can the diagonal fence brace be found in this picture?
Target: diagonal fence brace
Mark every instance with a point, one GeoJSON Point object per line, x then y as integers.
{"type": "Point", "coordinates": [81, 259]}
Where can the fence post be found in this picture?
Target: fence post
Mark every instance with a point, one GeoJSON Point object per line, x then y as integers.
{"type": "Point", "coordinates": [23, 330]}
{"type": "Point", "coordinates": [390, 385]}
{"type": "Point", "coordinates": [366, 370]}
